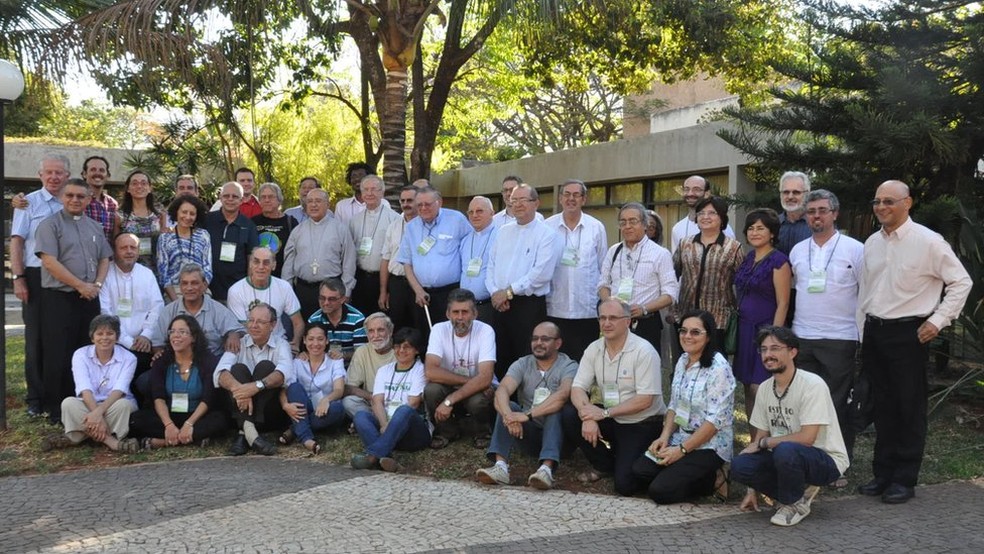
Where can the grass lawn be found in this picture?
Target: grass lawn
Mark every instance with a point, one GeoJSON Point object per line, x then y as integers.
{"type": "Point", "coordinates": [954, 449]}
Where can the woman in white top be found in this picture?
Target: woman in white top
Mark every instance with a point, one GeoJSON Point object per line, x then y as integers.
{"type": "Point", "coordinates": [396, 419]}
{"type": "Point", "coordinates": [312, 397]}
{"type": "Point", "coordinates": [103, 403]}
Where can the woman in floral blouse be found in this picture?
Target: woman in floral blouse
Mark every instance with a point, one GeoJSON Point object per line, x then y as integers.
{"type": "Point", "coordinates": [683, 462]}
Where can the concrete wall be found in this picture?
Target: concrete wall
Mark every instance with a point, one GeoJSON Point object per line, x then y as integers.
{"type": "Point", "coordinates": [678, 152]}
{"type": "Point", "coordinates": [638, 118]}
{"type": "Point", "coordinates": [21, 159]}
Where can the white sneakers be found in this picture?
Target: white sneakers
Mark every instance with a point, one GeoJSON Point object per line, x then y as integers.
{"type": "Point", "coordinates": [541, 479]}
{"type": "Point", "coordinates": [790, 514]}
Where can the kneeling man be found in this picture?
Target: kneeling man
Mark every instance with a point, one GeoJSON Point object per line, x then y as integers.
{"type": "Point", "coordinates": [797, 444]}
{"type": "Point", "coordinates": [543, 380]}
{"type": "Point", "coordinates": [253, 377]}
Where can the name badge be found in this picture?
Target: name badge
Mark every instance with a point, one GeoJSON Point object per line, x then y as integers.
{"type": "Point", "coordinates": [682, 417]}
{"type": "Point", "coordinates": [539, 395]}
{"type": "Point", "coordinates": [144, 248]}
{"type": "Point", "coordinates": [609, 395]}
{"type": "Point", "coordinates": [179, 402]}
{"type": "Point", "coordinates": [569, 257]}
{"type": "Point", "coordinates": [425, 245]}
{"type": "Point", "coordinates": [365, 246]}
{"type": "Point", "coordinates": [817, 281]}
{"type": "Point", "coordinates": [125, 307]}
{"type": "Point", "coordinates": [391, 407]}
{"type": "Point", "coordinates": [624, 291]}
{"type": "Point", "coordinates": [228, 252]}
{"type": "Point", "coordinates": [474, 267]}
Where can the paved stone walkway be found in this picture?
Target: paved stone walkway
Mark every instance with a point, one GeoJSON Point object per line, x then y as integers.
{"type": "Point", "coordinates": [256, 504]}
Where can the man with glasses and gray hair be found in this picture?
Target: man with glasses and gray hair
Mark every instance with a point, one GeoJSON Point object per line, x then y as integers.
{"type": "Point", "coordinates": [826, 270]}
{"type": "Point", "coordinates": [793, 227]}
{"type": "Point", "coordinates": [222, 330]}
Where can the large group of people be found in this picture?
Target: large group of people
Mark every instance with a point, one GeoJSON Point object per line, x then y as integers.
{"type": "Point", "coordinates": [149, 328]}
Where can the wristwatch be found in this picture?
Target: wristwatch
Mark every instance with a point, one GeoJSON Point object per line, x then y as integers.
{"type": "Point", "coordinates": [509, 293]}
{"type": "Point", "coordinates": [259, 384]}
{"type": "Point", "coordinates": [606, 413]}
{"type": "Point", "coordinates": [16, 277]}
{"type": "Point", "coordinates": [447, 402]}
{"type": "Point", "coordinates": [529, 414]}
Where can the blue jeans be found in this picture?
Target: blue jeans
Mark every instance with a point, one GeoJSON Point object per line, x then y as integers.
{"type": "Point", "coordinates": [784, 472]}
{"type": "Point", "coordinates": [547, 437]}
{"type": "Point", "coordinates": [406, 431]}
{"type": "Point", "coordinates": [305, 428]}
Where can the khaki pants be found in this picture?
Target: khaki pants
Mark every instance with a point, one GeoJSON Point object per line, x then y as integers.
{"type": "Point", "coordinates": [117, 418]}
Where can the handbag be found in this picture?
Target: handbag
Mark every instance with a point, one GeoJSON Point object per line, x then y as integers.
{"type": "Point", "coordinates": [731, 333]}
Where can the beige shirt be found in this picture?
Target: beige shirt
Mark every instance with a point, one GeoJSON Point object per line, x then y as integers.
{"type": "Point", "coordinates": [905, 272]}
{"type": "Point", "coordinates": [636, 370]}
{"type": "Point", "coordinates": [365, 362]}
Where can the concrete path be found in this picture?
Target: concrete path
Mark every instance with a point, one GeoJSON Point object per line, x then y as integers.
{"type": "Point", "coordinates": [255, 504]}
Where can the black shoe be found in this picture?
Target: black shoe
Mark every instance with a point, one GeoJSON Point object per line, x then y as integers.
{"type": "Point", "coordinates": [55, 420]}
{"type": "Point", "coordinates": [873, 488]}
{"type": "Point", "coordinates": [34, 412]}
{"type": "Point", "coordinates": [239, 446]}
{"type": "Point", "coordinates": [263, 447]}
{"type": "Point", "coordinates": [898, 494]}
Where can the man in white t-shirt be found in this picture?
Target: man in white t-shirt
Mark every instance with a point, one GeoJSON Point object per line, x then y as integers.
{"type": "Point", "coordinates": [260, 286]}
{"type": "Point", "coordinates": [459, 367]}
{"type": "Point", "coordinates": [797, 445]}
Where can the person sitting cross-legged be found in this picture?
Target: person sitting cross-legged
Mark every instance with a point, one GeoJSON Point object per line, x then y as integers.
{"type": "Point", "coordinates": [313, 395]}
{"type": "Point", "coordinates": [542, 381]}
{"type": "Point", "coordinates": [186, 408]}
{"type": "Point", "coordinates": [102, 406]}
{"type": "Point", "coordinates": [397, 418]}
{"type": "Point", "coordinates": [252, 378]}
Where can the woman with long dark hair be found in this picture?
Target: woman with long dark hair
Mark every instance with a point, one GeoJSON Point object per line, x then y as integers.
{"type": "Point", "coordinates": [189, 243]}
{"type": "Point", "coordinates": [139, 214]}
{"type": "Point", "coordinates": [698, 429]}
{"type": "Point", "coordinates": [185, 403]}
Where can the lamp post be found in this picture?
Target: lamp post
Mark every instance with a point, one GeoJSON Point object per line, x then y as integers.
{"type": "Point", "coordinates": [11, 87]}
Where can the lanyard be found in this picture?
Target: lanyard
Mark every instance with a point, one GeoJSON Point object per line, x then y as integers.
{"type": "Point", "coordinates": [390, 391]}
{"type": "Point", "coordinates": [829, 258]}
{"type": "Point", "coordinates": [488, 239]}
{"type": "Point", "coordinates": [365, 214]}
{"type": "Point", "coordinates": [604, 365]}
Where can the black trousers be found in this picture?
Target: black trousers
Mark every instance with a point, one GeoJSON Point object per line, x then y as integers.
{"type": "Point", "coordinates": [146, 423]}
{"type": "Point", "coordinates": [895, 362]}
{"type": "Point", "coordinates": [365, 296]}
{"type": "Point", "coordinates": [438, 307]}
{"type": "Point", "coordinates": [833, 360]}
{"type": "Point", "coordinates": [65, 318]}
{"type": "Point", "coordinates": [401, 301]}
{"type": "Point", "coordinates": [628, 441]}
{"type": "Point", "coordinates": [33, 353]}
{"type": "Point", "coordinates": [690, 477]}
{"type": "Point", "coordinates": [267, 413]}
{"type": "Point", "coordinates": [513, 329]}
{"type": "Point", "coordinates": [651, 329]}
{"type": "Point", "coordinates": [577, 335]}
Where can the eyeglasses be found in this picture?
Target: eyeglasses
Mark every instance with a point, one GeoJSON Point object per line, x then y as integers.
{"type": "Point", "coordinates": [264, 263]}
{"type": "Point", "coordinates": [791, 192]}
{"type": "Point", "coordinates": [514, 200]}
{"type": "Point", "coordinates": [329, 298]}
{"type": "Point", "coordinates": [774, 349]}
{"type": "Point", "coordinates": [887, 202]}
{"type": "Point", "coordinates": [611, 318]}
{"type": "Point", "coordinates": [178, 333]}
{"type": "Point", "coordinates": [426, 204]}
{"type": "Point", "coordinates": [692, 332]}
{"type": "Point", "coordinates": [258, 321]}
{"type": "Point", "coordinates": [818, 211]}
{"type": "Point", "coordinates": [706, 214]}
{"type": "Point", "coordinates": [404, 346]}
{"type": "Point", "coordinates": [542, 338]}
{"type": "Point", "coordinates": [629, 222]}
{"type": "Point", "coordinates": [572, 195]}
{"type": "Point", "coordinates": [75, 196]}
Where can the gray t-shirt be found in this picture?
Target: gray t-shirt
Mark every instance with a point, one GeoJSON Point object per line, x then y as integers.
{"type": "Point", "coordinates": [529, 377]}
{"type": "Point", "coordinates": [77, 242]}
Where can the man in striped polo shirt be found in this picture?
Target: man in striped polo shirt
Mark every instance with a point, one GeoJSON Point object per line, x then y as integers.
{"type": "Point", "coordinates": [342, 323]}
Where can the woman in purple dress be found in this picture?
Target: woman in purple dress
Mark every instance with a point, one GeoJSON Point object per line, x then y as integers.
{"type": "Point", "coordinates": [763, 282]}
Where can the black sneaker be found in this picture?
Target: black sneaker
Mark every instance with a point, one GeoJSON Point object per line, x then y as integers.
{"type": "Point", "coordinates": [239, 446]}
{"type": "Point", "coordinates": [34, 412]}
{"type": "Point", "coordinates": [263, 447]}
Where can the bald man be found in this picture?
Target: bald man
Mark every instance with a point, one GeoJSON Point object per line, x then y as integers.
{"type": "Point", "coordinates": [906, 269]}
